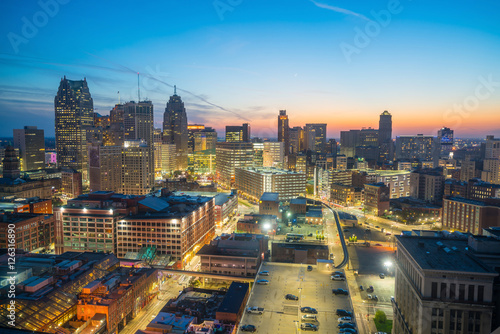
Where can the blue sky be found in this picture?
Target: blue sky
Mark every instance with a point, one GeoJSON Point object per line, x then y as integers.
{"type": "Point", "coordinates": [236, 61]}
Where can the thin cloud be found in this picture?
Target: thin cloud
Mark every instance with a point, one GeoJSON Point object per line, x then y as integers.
{"type": "Point", "coordinates": [339, 10]}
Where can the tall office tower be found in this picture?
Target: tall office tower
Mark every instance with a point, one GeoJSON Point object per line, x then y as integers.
{"type": "Point", "coordinates": [138, 121]}
{"type": "Point", "coordinates": [284, 131]}
{"type": "Point", "coordinates": [157, 142]}
{"type": "Point", "coordinates": [237, 133]}
{"type": "Point", "coordinates": [192, 130]}
{"type": "Point", "coordinates": [445, 136]}
{"type": "Point", "coordinates": [168, 160]}
{"type": "Point", "coordinates": [105, 167]}
{"type": "Point", "coordinates": [205, 139]}
{"type": "Point", "coordinates": [273, 154]}
{"type": "Point", "coordinates": [315, 137]}
{"type": "Point", "coordinates": [31, 144]}
{"type": "Point", "coordinates": [385, 143]}
{"type": "Point", "coordinates": [230, 156]}
{"type": "Point", "coordinates": [296, 140]}
{"type": "Point", "coordinates": [491, 163]}
{"type": "Point", "coordinates": [258, 154]}
{"type": "Point", "coordinates": [74, 113]}
{"type": "Point", "coordinates": [175, 129]}
{"type": "Point", "coordinates": [418, 148]}
{"type": "Point", "coordinates": [10, 164]}
{"type": "Point", "coordinates": [71, 183]}
{"type": "Point", "coordinates": [137, 168]}
{"type": "Point", "coordinates": [332, 147]}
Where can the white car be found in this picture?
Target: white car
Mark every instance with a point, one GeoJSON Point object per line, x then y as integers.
{"type": "Point", "coordinates": [262, 281]}
{"type": "Point", "coordinates": [343, 320]}
{"type": "Point", "coordinates": [264, 273]}
{"type": "Point", "coordinates": [337, 278]}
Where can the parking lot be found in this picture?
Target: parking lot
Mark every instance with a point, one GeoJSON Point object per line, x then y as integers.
{"type": "Point", "coordinates": [314, 289]}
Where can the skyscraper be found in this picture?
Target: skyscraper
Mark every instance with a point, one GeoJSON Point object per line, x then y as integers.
{"type": "Point", "coordinates": [138, 121]}
{"type": "Point", "coordinates": [315, 137]}
{"type": "Point", "coordinates": [385, 143]}
{"type": "Point", "coordinates": [237, 133]}
{"type": "Point", "coordinates": [31, 144]}
{"type": "Point", "coordinates": [175, 129]}
{"type": "Point", "coordinates": [296, 139]}
{"type": "Point", "coordinates": [445, 136]}
{"type": "Point", "coordinates": [283, 131]}
{"type": "Point", "coordinates": [74, 113]}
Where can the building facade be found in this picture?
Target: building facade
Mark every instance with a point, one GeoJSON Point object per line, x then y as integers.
{"type": "Point", "coordinates": [175, 129]}
{"type": "Point", "coordinates": [31, 144]}
{"type": "Point", "coordinates": [229, 156]}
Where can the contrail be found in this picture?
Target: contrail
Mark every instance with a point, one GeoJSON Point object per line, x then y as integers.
{"type": "Point", "coordinates": [339, 10]}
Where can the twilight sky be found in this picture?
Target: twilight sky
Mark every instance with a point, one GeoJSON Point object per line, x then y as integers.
{"type": "Point", "coordinates": [429, 63]}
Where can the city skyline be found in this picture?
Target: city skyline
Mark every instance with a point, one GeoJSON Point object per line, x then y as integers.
{"type": "Point", "coordinates": [242, 63]}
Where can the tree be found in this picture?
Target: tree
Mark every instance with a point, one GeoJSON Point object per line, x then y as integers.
{"type": "Point", "coordinates": [380, 317]}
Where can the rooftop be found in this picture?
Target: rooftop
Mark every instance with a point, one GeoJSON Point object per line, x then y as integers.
{"type": "Point", "coordinates": [298, 201]}
{"type": "Point", "coordinates": [234, 297]}
{"type": "Point", "coordinates": [270, 197]}
{"type": "Point", "coordinates": [271, 171]}
{"type": "Point", "coordinates": [444, 254]}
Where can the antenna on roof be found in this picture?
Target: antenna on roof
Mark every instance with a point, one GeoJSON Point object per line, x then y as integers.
{"type": "Point", "coordinates": [175, 90]}
{"type": "Point", "coordinates": [119, 97]}
{"type": "Point", "coordinates": [138, 88]}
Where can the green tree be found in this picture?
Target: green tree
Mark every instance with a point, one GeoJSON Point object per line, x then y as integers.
{"type": "Point", "coordinates": [380, 317]}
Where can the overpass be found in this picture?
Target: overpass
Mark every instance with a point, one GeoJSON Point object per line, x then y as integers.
{"type": "Point", "coordinates": [341, 233]}
{"type": "Point", "coordinates": [249, 279]}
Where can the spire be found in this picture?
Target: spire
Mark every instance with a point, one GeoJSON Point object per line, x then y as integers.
{"type": "Point", "coordinates": [175, 90]}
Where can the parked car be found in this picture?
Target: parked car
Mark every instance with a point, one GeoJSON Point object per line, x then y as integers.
{"type": "Point", "coordinates": [346, 325]}
{"type": "Point", "coordinates": [348, 330]}
{"type": "Point", "coordinates": [344, 320]}
{"type": "Point", "coordinates": [370, 289]}
{"type": "Point", "coordinates": [263, 281]}
{"type": "Point", "coordinates": [308, 327]}
{"type": "Point", "coordinates": [248, 328]}
{"type": "Point", "coordinates": [291, 297]}
{"type": "Point", "coordinates": [378, 245]}
{"type": "Point", "coordinates": [309, 268]}
{"type": "Point", "coordinates": [373, 297]}
{"type": "Point", "coordinates": [382, 275]}
{"type": "Point", "coordinates": [308, 309]}
{"type": "Point", "coordinates": [377, 226]}
{"type": "Point", "coordinates": [338, 273]}
{"type": "Point", "coordinates": [340, 292]}
{"type": "Point", "coordinates": [346, 230]}
{"type": "Point", "coordinates": [361, 288]}
{"type": "Point", "coordinates": [309, 318]}
{"type": "Point", "coordinates": [343, 313]}
{"type": "Point", "coordinates": [264, 273]}
{"type": "Point", "coordinates": [388, 233]}
{"type": "Point", "coordinates": [310, 235]}
{"type": "Point", "coordinates": [255, 310]}
{"type": "Point", "coordinates": [337, 278]}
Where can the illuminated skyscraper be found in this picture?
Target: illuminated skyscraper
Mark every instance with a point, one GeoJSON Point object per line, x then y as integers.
{"type": "Point", "coordinates": [315, 137]}
{"type": "Point", "coordinates": [283, 131]}
{"type": "Point", "coordinates": [31, 144]}
{"type": "Point", "coordinates": [385, 143]}
{"type": "Point", "coordinates": [237, 133]}
{"type": "Point", "coordinates": [445, 136]}
{"type": "Point", "coordinates": [175, 129]}
{"type": "Point", "coordinates": [74, 113]}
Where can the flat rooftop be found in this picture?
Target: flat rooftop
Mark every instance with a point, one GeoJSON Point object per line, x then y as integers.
{"type": "Point", "coordinates": [443, 254]}
{"type": "Point", "coordinates": [270, 197]}
{"type": "Point", "coordinates": [271, 170]}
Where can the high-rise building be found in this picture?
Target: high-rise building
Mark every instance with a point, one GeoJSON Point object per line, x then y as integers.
{"type": "Point", "coordinates": [445, 137]}
{"type": "Point", "coordinates": [71, 183]}
{"type": "Point", "coordinates": [315, 137]}
{"type": "Point", "coordinates": [469, 215]}
{"type": "Point", "coordinates": [332, 147]}
{"type": "Point", "coordinates": [137, 168]}
{"type": "Point", "coordinates": [362, 143]}
{"type": "Point", "coordinates": [385, 143]}
{"type": "Point", "coordinates": [31, 144]}
{"type": "Point", "coordinates": [273, 154]}
{"type": "Point", "coordinates": [229, 156]}
{"type": "Point", "coordinates": [237, 133]}
{"type": "Point", "coordinates": [74, 113]}
{"type": "Point", "coordinates": [444, 285]}
{"type": "Point", "coordinates": [168, 160]}
{"type": "Point", "coordinates": [283, 131]}
{"type": "Point", "coordinates": [420, 148]}
{"type": "Point", "coordinates": [491, 163]}
{"type": "Point", "coordinates": [105, 167]}
{"type": "Point", "coordinates": [255, 181]}
{"type": "Point", "coordinates": [138, 121]}
{"type": "Point", "coordinates": [192, 130]}
{"type": "Point", "coordinates": [205, 139]}
{"type": "Point", "coordinates": [175, 129]}
{"type": "Point", "coordinates": [10, 164]}
{"type": "Point", "coordinates": [427, 185]}
{"type": "Point", "coordinates": [296, 139]}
